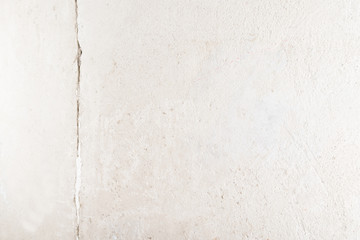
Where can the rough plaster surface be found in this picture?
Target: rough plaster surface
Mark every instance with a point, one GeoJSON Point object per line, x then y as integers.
{"type": "Point", "coordinates": [197, 119]}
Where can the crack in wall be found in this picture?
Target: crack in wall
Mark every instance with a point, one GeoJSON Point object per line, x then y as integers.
{"type": "Point", "coordinates": [78, 158]}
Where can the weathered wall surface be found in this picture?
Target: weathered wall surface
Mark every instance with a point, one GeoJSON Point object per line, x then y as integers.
{"type": "Point", "coordinates": [220, 119]}
{"type": "Point", "coordinates": [198, 120]}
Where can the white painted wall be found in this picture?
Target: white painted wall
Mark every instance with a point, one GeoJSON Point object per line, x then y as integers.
{"type": "Point", "coordinates": [37, 119]}
{"type": "Point", "coordinates": [198, 119]}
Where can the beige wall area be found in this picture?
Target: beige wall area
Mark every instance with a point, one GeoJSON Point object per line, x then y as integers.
{"type": "Point", "coordinates": [196, 120]}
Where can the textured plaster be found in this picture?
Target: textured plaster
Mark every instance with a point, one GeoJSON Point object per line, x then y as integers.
{"type": "Point", "coordinates": [220, 119]}
{"type": "Point", "coordinates": [196, 119]}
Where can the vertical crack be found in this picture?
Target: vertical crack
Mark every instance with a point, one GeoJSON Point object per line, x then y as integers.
{"type": "Point", "coordinates": [78, 158]}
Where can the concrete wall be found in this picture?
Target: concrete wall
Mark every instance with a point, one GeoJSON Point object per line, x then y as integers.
{"type": "Point", "coordinates": [177, 119]}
